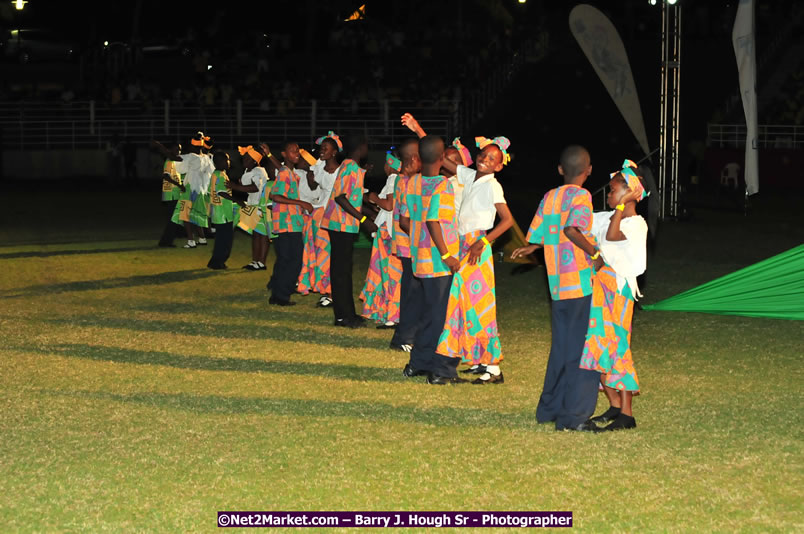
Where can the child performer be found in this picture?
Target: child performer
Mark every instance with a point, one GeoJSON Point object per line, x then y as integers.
{"type": "Point", "coordinates": [288, 224]}
{"type": "Point", "coordinates": [380, 295]}
{"type": "Point", "coordinates": [221, 211]}
{"type": "Point", "coordinates": [429, 218]}
{"type": "Point", "coordinates": [470, 331]}
{"type": "Point", "coordinates": [193, 206]}
{"type": "Point", "coordinates": [255, 217]}
{"type": "Point", "coordinates": [171, 191]}
{"type": "Point", "coordinates": [622, 235]}
{"type": "Point", "coordinates": [456, 154]}
{"type": "Point", "coordinates": [411, 298]}
{"type": "Point", "coordinates": [314, 275]}
{"type": "Point", "coordinates": [342, 219]}
{"type": "Point", "coordinates": [562, 225]}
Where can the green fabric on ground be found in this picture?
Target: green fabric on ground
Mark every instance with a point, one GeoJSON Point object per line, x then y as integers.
{"type": "Point", "coordinates": [771, 288]}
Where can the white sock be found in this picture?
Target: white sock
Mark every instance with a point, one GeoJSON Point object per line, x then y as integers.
{"type": "Point", "coordinates": [474, 367]}
{"type": "Point", "coordinates": [260, 264]}
{"type": "Point", "coordinates": [190, 242]}
{"type": "Point", "coordinates": [493, 369]}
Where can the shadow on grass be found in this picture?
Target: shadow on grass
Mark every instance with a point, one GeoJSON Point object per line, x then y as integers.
{"type": "Point", "coordinates": [293, 327]}
{"type": "Point", "coordinates": [206, 363]}
{"type": "Point", "coordinates": [109, 283]}
{"type": "Point", "coordinates": [49, 254]}
{"type": "Point", "coordinates": [372, 411]}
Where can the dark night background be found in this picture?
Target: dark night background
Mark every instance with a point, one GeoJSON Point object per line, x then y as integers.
{"type": "Point", "coordinates": [417, 51]}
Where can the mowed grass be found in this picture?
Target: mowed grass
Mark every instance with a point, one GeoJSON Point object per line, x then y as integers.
{"type": "Point", "coordinates": [140, 391]}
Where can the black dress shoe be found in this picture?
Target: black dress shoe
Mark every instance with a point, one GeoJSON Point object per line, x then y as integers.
{"type": "Point", "coordinates": [386, 326]}
{"type": "Point", "coordinates": [586, 426]}
{"type": "Point", "coordinates": [607, 416]}
{"type": "Point", "coordinates": [444, 380]}
{"type": "Point", "coordinates": [349, 323]}
{"type": "Point", "coordinates": [410, 372]}
{"type": "Point", "coordinates": [479, 370]}
{"type": "Point", "coordinates": [217, 267]}
{"type": "Point", "coordinates": [622, 422]}
{"type": "Point", "coordinates": [488, 378]}
{"type": "Point", "coordinates": [280, 302]}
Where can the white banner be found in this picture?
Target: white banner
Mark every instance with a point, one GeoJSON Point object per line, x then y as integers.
{"type": "Point", "coordinates": [743, 39]}
{"type": "Point", "coordinates": [603, 47]}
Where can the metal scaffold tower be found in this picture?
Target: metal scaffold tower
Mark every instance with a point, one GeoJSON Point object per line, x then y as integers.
{"type": "Point", "coordinates": [669, 118]}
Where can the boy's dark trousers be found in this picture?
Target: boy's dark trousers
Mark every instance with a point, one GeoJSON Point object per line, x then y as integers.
{"type": "Point", "coordinates": [435, 300]}
{"type": "Point", "coordinates": [224, 235]}
{"type": "Point", "coordinates": [570, 393]}
{"type": "Point", "coordinates": [410, 306]}
{"type": "Point", "coordinates": [289, 248]}
{"type": "Point", "coordinates": [169, 233]}
{"type": "Point", "coordinates": [342, 246]}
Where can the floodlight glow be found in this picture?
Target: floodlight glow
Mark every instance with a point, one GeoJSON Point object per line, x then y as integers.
{"type": "Point", "coordinates": [19, 4]}
{"type": "Point", "coordinates": [672, 2]}
{"type": "Point", "coordinates": [105, 43]}
{"type": "Point", "coordinates": [522, 1]}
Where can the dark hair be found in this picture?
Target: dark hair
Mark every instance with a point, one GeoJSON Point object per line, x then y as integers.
{"type": "Point", "coordinates": [574, 160]}
{"type": "Point", "coordinates": [285, 144]}
{"type": "Point", "coordinates": [431, 148]}
{"type": "Point", "coordinates": [332, 142]}
{"type": "Point", "coordinates": [219, 156]}
{"type": "Point", "coordinates": [352, 141]}
{"type": "Point", "coordinates": [408, 142]}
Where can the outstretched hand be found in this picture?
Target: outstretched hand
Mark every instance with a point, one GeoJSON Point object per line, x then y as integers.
{"type": "Point", "coordinates": [524, 251]}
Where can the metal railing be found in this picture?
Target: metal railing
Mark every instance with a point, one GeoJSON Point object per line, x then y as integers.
{"type": "Point", "coordinates": [55, 134]}
{"type": "Point", "coordinates": [85, 125]}
{"type": "Point", "coordinates": [768, 136]}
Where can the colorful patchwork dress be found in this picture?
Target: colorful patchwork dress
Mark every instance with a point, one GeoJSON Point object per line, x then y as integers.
{"type": "Point", "coordinates": [381, 292]}
{"type": "Point", "coordinates": [470, 331]}
{"type": "Point", "coordinates": [614, 288]}
{"type": "Point", "coordinates": [314, 276]}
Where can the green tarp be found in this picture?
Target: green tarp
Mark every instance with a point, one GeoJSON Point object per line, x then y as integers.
{"type": "Point", "coordinates": [771, 288]}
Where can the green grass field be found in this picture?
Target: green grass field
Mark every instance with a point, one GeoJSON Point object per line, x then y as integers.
{"type": "Point", "coordinates": [140, 391]}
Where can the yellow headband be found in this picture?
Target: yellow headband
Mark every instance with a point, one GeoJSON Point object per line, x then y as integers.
{"type": "Point", "coordinates": [256, 156]}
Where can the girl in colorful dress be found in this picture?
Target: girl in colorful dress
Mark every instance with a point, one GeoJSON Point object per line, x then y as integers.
{"type": "Point", "coordinates": [314, 275]}
{"type": "Point", "coordinates": [381, 293]}
{"type": "Point", "coordinates": [622, 236]}
{"type": "Point", "coordinates": [470, 331]}
{"type": "Point", "coordinates": [255, 217]}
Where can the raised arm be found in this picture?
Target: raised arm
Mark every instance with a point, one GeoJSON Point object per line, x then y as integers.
{"type": "Point", "coordinates": [413, 125]}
